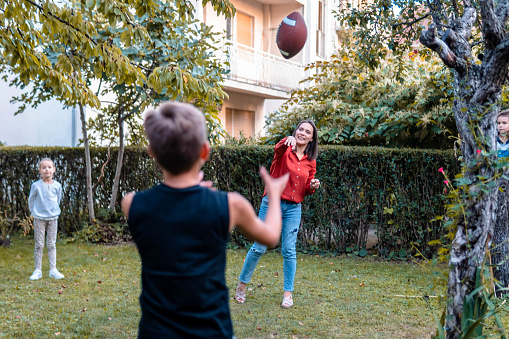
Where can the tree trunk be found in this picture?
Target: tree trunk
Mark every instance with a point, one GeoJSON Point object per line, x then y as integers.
{"type": "Point", "coordinates": [120, 159]}
{"type": "Point", "coordinates": [500, 247]}
{"type": "Point", "coordinates": [90, 194]}
{"type": "Point", "coordinates": [476, 223]}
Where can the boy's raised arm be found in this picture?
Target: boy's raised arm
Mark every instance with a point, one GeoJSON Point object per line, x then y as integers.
{"type": "Point", "coordinates": [243, 215]}
{"type": "Point", "coordinates": [126, 203]}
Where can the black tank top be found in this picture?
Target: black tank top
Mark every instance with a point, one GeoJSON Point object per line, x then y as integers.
{"type": "Point", "coordinates": [181, 235]}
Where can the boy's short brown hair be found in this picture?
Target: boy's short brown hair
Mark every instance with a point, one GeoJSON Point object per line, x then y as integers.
{"type": "Point", "coordinates": [503, 113]}
{"type": "Point", "coordinates": [176, 132]}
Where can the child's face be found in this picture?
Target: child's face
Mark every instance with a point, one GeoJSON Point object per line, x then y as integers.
{"type": "Point", "coordinates": [46, 169]}
{"type": "Point", "coordinates": [503, 125]}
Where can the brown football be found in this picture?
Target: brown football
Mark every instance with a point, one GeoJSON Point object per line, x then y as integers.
{"type": "Point", "coordinates": [291, 35]}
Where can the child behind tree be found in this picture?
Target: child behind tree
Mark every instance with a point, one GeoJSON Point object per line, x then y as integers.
{"type": "Point", "coordinates": [503, 134]}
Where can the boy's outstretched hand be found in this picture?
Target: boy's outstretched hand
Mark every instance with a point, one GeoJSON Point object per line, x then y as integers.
{"type": "Point", "coordinates": [273, 186]}
{"type": "Point", "coordinates": [205, 183]}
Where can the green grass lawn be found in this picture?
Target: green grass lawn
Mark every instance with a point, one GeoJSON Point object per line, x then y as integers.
{"type": "Point", "coordinates": [335, 297]}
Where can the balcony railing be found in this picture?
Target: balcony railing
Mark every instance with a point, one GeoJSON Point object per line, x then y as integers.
{"type": "Point", "coordinates": [260, 68]}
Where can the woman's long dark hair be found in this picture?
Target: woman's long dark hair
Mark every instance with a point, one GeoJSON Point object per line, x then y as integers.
{"type": "Point", "coordinates": [312, 148]}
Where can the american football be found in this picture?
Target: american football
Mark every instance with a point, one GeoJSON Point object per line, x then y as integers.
{"type": "Point", "coordinates": [291, 35]}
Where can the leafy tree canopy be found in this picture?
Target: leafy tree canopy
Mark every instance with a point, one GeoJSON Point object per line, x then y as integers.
{"type": "Point", "coordinates": [61, 47]}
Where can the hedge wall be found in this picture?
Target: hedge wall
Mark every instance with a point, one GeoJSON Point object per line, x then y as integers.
{"type": "Point", "coordinates": [397, 192]}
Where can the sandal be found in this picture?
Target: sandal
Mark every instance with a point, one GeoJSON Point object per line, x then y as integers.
{"type": "Point", "coordinates": [287, 302]}
{"type": "Point", "coordinates": [240, 296]}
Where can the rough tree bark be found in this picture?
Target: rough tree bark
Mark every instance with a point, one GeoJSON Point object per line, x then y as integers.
{"type": "Point", "coordinates": [120, 160]}
{"type": "Point", "coordinates": [500, 247]}
{"type": "Point", "coordinates": [477, 86]}
{"type": "Point", "coordinates": [88, 165]}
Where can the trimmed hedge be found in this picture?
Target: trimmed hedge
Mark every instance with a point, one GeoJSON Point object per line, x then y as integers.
{"type": "Point", "coordinates": [397, 192]}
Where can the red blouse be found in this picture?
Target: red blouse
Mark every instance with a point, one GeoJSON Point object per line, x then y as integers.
{"type": "Point", "coordinates": [301, 172]}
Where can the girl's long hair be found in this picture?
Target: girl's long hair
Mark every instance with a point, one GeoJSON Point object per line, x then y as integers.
{"type": "Point", "coordinates": [312, 148]}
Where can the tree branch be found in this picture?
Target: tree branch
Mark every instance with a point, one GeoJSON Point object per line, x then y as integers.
{"type": "Point", "coordinates": [491, 27]}
{"type": "Point", "coordinates": [467, 22]}
{"type": "Point", "coordinates": [124, 117]}
{"type": "Point", "coordinates": [61, 20]}
{"type": "Point", "coordinates": [494, 74]}
{"type": "Point", "coordinates": [477, 43]}
{"type": "Point", "coordinates": [76, 29]}
{"type": "Point", "coordinates": [429, 39]}
{"type": "Point", "coordinates": [502, 11]}
{"type": "Point", "coordinates": [410, 23]}
{"type": "Point", "coordinates": [455, 6]}
{"type": "Point", "coordinates": [501, 53]}
{"type": "Point", "coordinates": [435, 8]}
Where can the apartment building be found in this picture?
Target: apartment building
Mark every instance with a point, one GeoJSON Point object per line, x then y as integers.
{"type": "Point", "coordinates": [260, 79]}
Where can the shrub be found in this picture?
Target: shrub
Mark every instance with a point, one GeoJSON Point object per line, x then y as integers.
{"type": "Point", "coordinates": [395, 191]}
{"type": "Point", "coordinates": [110, 227]}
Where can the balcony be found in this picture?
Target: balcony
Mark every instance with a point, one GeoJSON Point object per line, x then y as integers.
{"type": "Point", "coordinates": [251, 66]}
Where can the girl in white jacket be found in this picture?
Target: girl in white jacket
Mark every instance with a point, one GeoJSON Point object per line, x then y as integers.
{"type": "Point", "coordinates": [44, 201]}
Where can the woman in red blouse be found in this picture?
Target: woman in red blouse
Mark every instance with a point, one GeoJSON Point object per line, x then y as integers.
{"type": "Point", "coordinates": [296, 155]}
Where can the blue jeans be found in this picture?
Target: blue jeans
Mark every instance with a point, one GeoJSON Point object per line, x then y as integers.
{"type": "Point", "coordinates": [291, 214]}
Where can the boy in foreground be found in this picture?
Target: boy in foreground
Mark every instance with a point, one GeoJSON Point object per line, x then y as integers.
{"type": "Point", "coordinates": [181, 229]}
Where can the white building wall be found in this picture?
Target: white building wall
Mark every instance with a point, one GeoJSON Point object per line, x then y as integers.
{"type": "Point", "coordinates": [48, 125]}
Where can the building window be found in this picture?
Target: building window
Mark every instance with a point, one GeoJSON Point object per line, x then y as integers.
{"type": "Point", "coordinates": [320, 32]}
{"type": "Point", "coordinates": [244, 29]}
{"type": "Point", "coordinates": [239, 121]}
